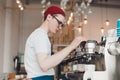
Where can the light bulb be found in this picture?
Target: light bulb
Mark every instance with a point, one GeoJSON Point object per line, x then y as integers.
{"type": "Point", "coordinates": [17, 1]}
{"type": "Point", "coordinates": [79, 29]}
{"type": "Point", "coordinates": [21, 8]}
{"type": "Point", "coordinates": [102, 30]}
{"type": "Point", "coordinates": [71, 14]}
{"type": "Point", "coordinates": [107, 22]}
{"type": "Point", "coordinates": [19, 5]}
{"type": "Point", "coordinates": [85, 20]}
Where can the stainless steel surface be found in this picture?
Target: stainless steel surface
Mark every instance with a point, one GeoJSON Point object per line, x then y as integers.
{"type": "Point", "coordinates": [114, 47]}
{"type": "Point", "coordinates": [90, 46]}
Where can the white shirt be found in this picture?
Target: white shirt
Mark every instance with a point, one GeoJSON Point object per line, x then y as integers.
{"type": "Point", "coordinates": [37, 43]}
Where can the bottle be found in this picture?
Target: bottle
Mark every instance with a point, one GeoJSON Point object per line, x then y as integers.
{"type": "Point", "coordinates": [118, 28]}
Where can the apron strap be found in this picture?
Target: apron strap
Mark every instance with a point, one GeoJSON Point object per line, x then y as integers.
{"type": "Point", "coordinates": [44, 78]}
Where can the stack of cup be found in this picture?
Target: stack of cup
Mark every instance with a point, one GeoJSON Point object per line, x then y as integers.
{"type": "Point", "coordinates": [118, 28]}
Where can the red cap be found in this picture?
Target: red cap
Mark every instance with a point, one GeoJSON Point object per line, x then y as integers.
{"type": "Point", "coordinates": [53, 10]}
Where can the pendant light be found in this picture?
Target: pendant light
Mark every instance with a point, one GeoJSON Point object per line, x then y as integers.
{"type": "Point", "coordinates": [85, 20]}
{"type": "Point", "coordinates": [102, 28]}
{"type": "Point", "coordinates": [107, 22]}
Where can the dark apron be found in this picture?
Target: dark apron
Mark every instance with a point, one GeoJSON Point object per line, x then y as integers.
{"type": "Point", "coordinates": [44, 78]}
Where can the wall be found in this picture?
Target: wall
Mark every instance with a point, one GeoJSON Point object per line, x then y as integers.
{"type": "Point", "coordinates": [9, 35]}
{"type": "Point", "coordinates": [95, 22]}
{"type": "Point", "coordinates": [30, 19]}
{"type": "Point", "coordinates": [2, 23]}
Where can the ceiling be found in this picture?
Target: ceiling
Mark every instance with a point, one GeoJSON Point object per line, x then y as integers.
{"type": "Point", "coordinates": [108, 3]}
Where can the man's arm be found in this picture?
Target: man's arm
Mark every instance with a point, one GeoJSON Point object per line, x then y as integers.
{"type": "Point", "coordinates": [46, 62]}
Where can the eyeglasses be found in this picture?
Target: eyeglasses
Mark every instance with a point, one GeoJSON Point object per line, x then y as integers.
{"type": "Point", "coordinates": [61, 25]}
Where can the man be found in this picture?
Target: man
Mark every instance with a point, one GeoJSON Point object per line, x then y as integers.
{"type": "Point", "coordinates": [39, 62]}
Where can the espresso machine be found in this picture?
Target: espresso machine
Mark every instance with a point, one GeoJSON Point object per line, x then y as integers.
{"type": "Point", "coordinates": [85, 59]}
{"type": "Point", "coordinates": [92, 60]}
{"type": "Point", "coordinates": [111, 53]}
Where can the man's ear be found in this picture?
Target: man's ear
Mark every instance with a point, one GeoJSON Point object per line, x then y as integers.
{"type": "Point", "coordinates": [49, 17]}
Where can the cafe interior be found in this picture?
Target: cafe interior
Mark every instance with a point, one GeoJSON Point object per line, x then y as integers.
{"type": "Point", "coordinates": [97, 58]}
